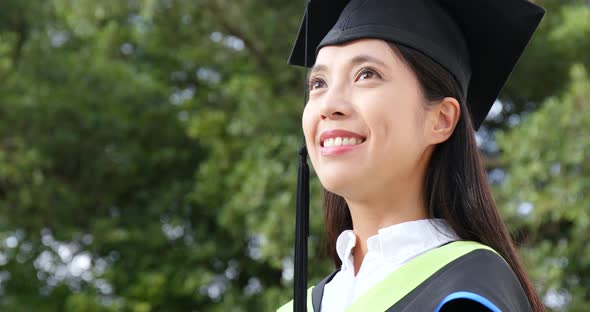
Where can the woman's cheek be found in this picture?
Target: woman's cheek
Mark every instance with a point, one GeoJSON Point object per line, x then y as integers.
{"type": "Point", "coordinates": [309, 130]}
{"type": "Point", "coordinates": [306, 122]}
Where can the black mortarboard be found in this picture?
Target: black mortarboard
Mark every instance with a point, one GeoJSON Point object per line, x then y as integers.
{"type": "Point", "coordinates": [478, 41]}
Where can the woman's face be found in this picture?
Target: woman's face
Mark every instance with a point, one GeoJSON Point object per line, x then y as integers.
{"type": "Point", "coordinates": [364, 120]}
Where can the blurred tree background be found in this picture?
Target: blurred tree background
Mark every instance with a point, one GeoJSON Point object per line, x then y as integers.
{"type": "Point", "coordinates": [148, 155]}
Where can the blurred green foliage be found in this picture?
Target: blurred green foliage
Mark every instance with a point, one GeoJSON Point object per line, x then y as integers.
{"type": "Point", "coordinates": [148, 155]}
{"type": "Point", "coordinates": [546, 191]}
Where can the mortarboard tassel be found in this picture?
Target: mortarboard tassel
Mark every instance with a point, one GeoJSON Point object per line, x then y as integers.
{"type": "Point", "coordinates": [302, 214]}
{"type": "Point", "coordinates": [301, 233]}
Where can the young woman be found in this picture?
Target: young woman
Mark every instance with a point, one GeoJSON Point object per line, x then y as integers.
{"type": "Point", "coordinates": [396, 90]}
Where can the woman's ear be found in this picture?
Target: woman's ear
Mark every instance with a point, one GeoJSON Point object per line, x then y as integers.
{"type": "Point", "coordinates": [442, 119]}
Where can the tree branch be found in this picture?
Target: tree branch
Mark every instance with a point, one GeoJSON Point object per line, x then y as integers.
{"type": "Point", "coordinates": [22, 32]}
{"type": "Point", "coordinates": [22, 35]}
{"type": "Point", "coordinates": [255, 50]}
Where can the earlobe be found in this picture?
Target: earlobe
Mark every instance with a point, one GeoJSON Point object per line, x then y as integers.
{"type": "Point", "coordinates": [444, 119]}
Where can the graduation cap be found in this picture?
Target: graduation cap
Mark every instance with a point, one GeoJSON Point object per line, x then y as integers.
{"type": "Point", "coordinates": [478, 41]}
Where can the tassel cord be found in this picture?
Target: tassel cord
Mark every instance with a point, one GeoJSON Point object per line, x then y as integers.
{"type": "Point", "coordinates": [302, 213]}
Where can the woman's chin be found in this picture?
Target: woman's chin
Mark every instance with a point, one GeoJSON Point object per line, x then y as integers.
{"type": "Point", "coordinates": [340, 184]}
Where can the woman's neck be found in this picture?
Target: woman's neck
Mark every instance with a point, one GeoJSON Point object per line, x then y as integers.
{"type": "Point", "coordinates": [368, 216]}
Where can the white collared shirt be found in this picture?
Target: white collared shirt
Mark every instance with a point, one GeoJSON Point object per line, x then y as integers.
{"type": "Point", "coordinates": [387, 251]}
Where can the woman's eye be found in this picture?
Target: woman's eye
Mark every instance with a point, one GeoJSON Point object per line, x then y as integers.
{"type": "Point", "coordinates": [315, 84]}
{"type": "Point", "coordinates": [367, 73]}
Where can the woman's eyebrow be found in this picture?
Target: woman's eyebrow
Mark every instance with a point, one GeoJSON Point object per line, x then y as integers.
{"type": "Point", "coordinates": [318, 68]}
{"type": "Point", "coordinates": [364, 58]}
{"type": "Point", "coordinates": [359, 59]}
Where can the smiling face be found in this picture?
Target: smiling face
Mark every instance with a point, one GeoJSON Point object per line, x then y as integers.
{"type": "Point", "coordinates": [364, 121]}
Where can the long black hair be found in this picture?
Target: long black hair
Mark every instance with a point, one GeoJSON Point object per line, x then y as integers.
{"type": "Point", "coordinates": [456, 188]}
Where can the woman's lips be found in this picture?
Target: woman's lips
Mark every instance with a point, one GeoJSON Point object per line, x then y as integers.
{"type": "Point", "coordinates": [334, 142]}
{"type": "Point", "coordinates": [337, 150]}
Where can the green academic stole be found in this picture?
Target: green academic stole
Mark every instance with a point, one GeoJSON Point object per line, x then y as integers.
{"type": "Point", "coordinates": [402, 281]}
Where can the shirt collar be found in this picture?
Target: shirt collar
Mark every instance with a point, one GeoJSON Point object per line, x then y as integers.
{"type": "Point", "coordinates": [399, 241]}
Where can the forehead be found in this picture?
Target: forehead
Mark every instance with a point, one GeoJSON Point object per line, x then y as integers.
{"type": "Point", "coordinates": [370, 48]}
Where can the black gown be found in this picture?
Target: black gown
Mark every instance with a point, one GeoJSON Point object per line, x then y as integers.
{"type": "Point", "coordinates": [477, 279]}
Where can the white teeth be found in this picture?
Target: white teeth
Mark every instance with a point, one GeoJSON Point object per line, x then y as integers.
{"type": "Point", "coordinates": [339, 141]}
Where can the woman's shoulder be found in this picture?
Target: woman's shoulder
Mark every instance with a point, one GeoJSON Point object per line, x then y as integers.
{"type": "Point", "coordinates": [480, 280]}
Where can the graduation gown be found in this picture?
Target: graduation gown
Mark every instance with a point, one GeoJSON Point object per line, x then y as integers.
{"type": "Point", "coordinates": [459, 276]}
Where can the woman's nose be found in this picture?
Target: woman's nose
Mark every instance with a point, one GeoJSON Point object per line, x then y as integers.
{"type": "Point", "coordinates": [335, 107]}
